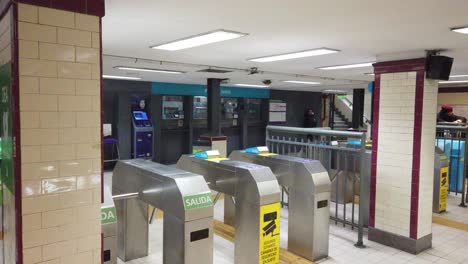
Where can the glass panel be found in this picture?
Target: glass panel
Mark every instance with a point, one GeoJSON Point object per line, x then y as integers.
{"type": "Point", "coordinates": [229, 108]}
{"type": "Point", "coordinates": [173, 107]}
{"type": "Point", "coordinates": [255, 109]}
{"type": "Point", "coordinates": [200, 107]}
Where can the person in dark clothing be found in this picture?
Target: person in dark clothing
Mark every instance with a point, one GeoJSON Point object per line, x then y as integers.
{"type": "Point", "coordinates": [446, 115]}
{"type": "Point", "coordinates": [309, 118]}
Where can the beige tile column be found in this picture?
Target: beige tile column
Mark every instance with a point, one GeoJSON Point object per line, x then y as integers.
{"type": "Point", "coordinates": [402, 174]}
{"type": "Point", "coordinates": [59, 55]}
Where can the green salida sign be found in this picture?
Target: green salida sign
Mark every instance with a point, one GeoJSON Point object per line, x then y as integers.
{"type": "Point", "coordinates": [108, 216]}
{"type": "Point", "coordinates": [198, 201]}
{"type": "Point", "coordinates": [6, 127]}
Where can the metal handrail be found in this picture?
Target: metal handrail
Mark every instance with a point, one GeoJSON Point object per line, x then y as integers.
{"type": "Point", "coordinates": [315, 131]}
{"type": "Point", "coordinates": [291, 138]}
{"type": "Point", "coordinates": [366, 120]}
{"type": "Point", "coordinates": [442, 127]}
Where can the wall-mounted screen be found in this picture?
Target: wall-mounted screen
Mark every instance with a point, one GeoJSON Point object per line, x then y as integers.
{"type": "Point", "coordinates": [200, 107]}
{"type": "Point", "coordinates": [173, 107]}
{"type": "Point", "coordinates": [140, 115]}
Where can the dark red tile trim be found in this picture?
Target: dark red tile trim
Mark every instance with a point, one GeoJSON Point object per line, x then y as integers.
{"type": "Point", "coordinates": [89, 7]}
{"type": "Point", "coordinates": [375, 143]}
{"type": "Point", "coordinates": [16, 133]}
{"type": "Point", "coordinates": [417, 134]}
{"type": "Point", "coordinates": [453, 90]}
{"type": "Point", "coordinates": [400, 66]}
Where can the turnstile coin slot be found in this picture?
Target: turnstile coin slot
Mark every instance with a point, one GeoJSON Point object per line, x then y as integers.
{"type": "Point", "coordinates": [199, 235]}
{"type": "Point", "coordinates": [322, 204]}
{"type": "Point", "coordinates": [107, 255]}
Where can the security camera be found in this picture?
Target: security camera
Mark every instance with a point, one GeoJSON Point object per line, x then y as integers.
{"type": "Point", "coordinates": [267, 82]}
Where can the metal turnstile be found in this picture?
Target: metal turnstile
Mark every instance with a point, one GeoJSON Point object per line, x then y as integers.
{"type": "Point", "coordinates": [441, 178]}
{"type": "Point", "coordinates": [309, 188]}
{"type": "Point", "coordinates": [188, 211]}
{"type": "Point", "coordinates": [257, 203]}
{"type": "Point", "coordinates": [109, 228]}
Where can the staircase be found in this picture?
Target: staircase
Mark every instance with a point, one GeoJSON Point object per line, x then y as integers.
{"type": "Point", "coordinates": [340, 122]}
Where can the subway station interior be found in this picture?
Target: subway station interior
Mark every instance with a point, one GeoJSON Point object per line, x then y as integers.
{"type": "Point", "coordinates": [233, 132]}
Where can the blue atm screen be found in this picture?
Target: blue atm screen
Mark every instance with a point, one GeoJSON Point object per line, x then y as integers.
{"type": "Point", "coordinates": [140, 115]}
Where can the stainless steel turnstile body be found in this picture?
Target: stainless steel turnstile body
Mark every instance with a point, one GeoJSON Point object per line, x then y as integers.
{"type": "Point", "coordinates": [109, 228]}
{"type": "Point", "coordinates": [309, 198]}
{"type": "Point", "coordinates": [188, 212]}
{"type": "Point", "coordinates": [441, 178]}
{"type": "Point", "coordinates": [254, 187]}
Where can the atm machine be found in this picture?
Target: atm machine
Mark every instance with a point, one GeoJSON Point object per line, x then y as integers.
{"type": "Point", "coordinates": [142, 135]}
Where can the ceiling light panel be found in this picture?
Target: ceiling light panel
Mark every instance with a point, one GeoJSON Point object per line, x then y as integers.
{"type": "Point", "coordinates": [332, 91]}
{"type": "Point", "coordinates": [462, 30]}
{"type": "Point", "coordinates": [251, 85]}
{"type": "Point", "coordinates": [296, 55]}
{"type": "Point", "coordinates": [459, 76]}
{"type": "Point", "coordinates": [147, 70]}
{"type": "Point", "coordinates": [302, 82]}
{"type": "Point", "coordinates": [199, 40]}
{"type": "Point", "coordinates": [449, 82]}
{"type": "Point", "coordinates": [348, 66]}
{"type": "Point", "coordinates": [120, 77]}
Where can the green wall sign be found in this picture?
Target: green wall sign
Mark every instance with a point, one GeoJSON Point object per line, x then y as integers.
{"type": "Point", "coordinates": [198, 201]}
{"type": "Point", "coordinates": [6, 132]}
{"type": "Point", "coordinates": [108, 216]}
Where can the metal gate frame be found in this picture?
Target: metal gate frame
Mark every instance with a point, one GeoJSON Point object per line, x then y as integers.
{"type": "Point", "coordinates": [327, 146]}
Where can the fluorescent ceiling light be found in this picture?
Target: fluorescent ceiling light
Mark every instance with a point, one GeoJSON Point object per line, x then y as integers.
{"type": "Point", "coordinates": [459, 76]}
{"type": "Point", "coordinates": [302, 82]}
{"type": "Point", "coordinates": [120, 77]}
{"type": "Point", "coordinates": [334, 91]}
{"type": "Point", "coordinates": [448, 82]}
{"type": "Point", "coordinates": [463, 30]}
{"type": "Point", "coordinates": [199, 40]}
{"type": "Point", "coordinates": [251, 85]}
{"type": "Point", "coordinates": [147, 70]}
{"type": "Point", "coordinates": [348, 66]}
{"type": "Point", "coordinates": [370, 74]}
{"type": "Point", "coordinates": [296, 55]}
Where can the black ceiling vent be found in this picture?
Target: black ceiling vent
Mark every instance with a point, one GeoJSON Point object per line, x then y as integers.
{"type": "Point", "coordinates": [214, 70]}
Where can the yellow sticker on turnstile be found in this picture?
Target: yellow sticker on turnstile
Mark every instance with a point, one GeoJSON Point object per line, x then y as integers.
{"type": "Point", "coordinates": [443, 189]}
{"type": "Point", "coordinates": [217, 159]}
{"type": "Point", "coordinates": [267, 154]}
{"type": "Point", "coordinates": [269, 234]}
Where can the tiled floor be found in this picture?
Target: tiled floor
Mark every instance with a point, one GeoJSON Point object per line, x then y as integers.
{"type": "Point", "coordinates": [454, 211]}
{"type": "Point", "coordinates": [450, 247]}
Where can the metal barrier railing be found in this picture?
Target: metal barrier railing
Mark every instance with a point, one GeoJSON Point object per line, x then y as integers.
{"type": "Point", "coordinates": [452, 139]}
{"type": "Point", "coordinates": [344, 162]}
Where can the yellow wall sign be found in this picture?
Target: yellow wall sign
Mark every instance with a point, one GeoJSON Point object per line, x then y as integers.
{"type": "Point", "coordinates": [443, 189]}
{"type": "Point", "coordinates": [269, 234]}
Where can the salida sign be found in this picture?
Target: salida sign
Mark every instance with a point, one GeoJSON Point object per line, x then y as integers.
{"type": "Point", "coordinates": [198, 201]}
{"type": "Point", "coordinates": [108, 215]}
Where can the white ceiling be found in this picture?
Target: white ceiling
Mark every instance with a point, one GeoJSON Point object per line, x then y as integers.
{"type": "Point", "coordinates": [364, 30]}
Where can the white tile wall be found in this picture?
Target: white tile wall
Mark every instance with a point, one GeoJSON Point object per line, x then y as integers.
{"type": "Point", "coordinates": [426, 175]}
{"type": "Point", "coordinates": [60, 130]}
{"type": "Point", "coordinates": [395, 152]}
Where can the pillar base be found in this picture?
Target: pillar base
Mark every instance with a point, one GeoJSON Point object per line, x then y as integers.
{"type": "Point", "coordinates": [217, 143]}
{"type": "Point", "coordinates": [412, 246]}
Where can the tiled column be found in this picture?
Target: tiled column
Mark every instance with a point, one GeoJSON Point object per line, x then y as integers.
{"type": "Point", "coordinates": [58, 180]}
{"type": "Point", "coordinates": [405, 107]}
